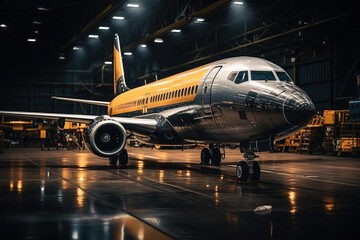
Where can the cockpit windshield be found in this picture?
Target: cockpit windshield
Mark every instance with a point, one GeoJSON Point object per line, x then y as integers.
{"type": "Point", "coordinates": [262, 75]}
{"type": "Point", "coordinates": [283, 76]}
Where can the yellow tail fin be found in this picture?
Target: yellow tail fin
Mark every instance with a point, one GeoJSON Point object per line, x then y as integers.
{"type": "Point", "coordinates": [119, 77]}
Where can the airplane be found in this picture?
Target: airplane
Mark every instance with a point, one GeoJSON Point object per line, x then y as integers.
{"type": "Point", "coordinates": [243, 101]}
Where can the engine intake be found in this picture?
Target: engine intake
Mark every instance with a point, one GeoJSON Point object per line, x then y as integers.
{"type": "Point", "coordinates": [105, 137]}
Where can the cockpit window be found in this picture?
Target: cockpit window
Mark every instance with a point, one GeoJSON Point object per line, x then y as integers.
{"type": "Point", "coordinates": [283, 76]}
{"type": "Point", "coordinates": [232, 76]}
{"type": "Point", "coordinates": [242, 77]}
{"type": "Point", "coordinates": [262, 75]}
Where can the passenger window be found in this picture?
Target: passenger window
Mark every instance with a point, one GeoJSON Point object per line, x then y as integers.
{"type": "Point", "coordinates": [241, 77]}
{"type": "Point", "coordinates": [196, 88]}
{"type": "Point", "coordinates": [192, 90]}
{"type": "Point", "coordinates": [182, 92]}
{"type": "Point", "coordinates": [262, 75]}
{"type": "Point", "coordinates": [185, 91]}
{"type": "Point", "coordinates": [189, 88]}
{"type": "Point", "coordinates": [232, 76]}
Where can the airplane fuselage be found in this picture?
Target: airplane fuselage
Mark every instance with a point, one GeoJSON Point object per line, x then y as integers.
{"type": "Point", "coordinates": [227, 101]}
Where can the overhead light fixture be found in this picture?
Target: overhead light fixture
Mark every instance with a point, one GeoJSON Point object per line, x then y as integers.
{"type": "Point", "coordinates": [36, 22]}
{"type": "Point", "coordinates": [200, 20]}
{"type": "Point", "coordinates": [238, 3]}
{"type": "Point", "coordinates": [31, 40]}
{"type": "Point", "coordinates": [133, 5]}
{"type": "Point", "coordinates": [36, 31]}
{"type": "Point", "coordinates": [143, 45]}
{"type": "Point", "coordinates": [104, 28]}
{"type": "Point", "coordinates": [108, 62]}
{"type": "Point", "coordinates": [3, 25]}
{"type": "Point", "coordinates": [175, 30]}
{"type": "Point", "coordinates": [128, 53]}
{"type": "Point", "coordinates": [75, 48]}
{"type": "Point", "coordinates": [93, 36]}
{"type": "Point", "coordinates": [61, 57]}
{"type": "Point", "coordinates": [42, 9]}
{"type": "Point", "coordinates": [158, 40]}
{"type": "Point", "coordinates": [118, 17]}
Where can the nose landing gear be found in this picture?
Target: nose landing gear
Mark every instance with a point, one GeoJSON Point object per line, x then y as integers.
{"type": "Point", "coordinates": [248, 169]}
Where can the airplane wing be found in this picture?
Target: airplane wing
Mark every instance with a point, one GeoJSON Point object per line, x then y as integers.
{"type": "Point", "coordinates": [136, 124]}
{"type": "Point", "coordinates": [92, 102]}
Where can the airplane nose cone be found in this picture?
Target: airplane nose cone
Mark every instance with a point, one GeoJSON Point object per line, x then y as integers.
{"type": "Point", "coordinates": [298, 110]}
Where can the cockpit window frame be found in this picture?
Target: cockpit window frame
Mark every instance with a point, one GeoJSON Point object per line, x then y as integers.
{"type": "Point", "coordinates": [261, 71]}
{"type": "Point", "coordinates": [286, 74]}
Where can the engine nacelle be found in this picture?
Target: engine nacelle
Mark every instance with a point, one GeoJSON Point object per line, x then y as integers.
{"type": "Point", "coordinates": [105, 137]}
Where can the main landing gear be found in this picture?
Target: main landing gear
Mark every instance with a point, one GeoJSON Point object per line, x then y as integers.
{"type": "Point", "coordinates": [212, 154]}
{"type": "Point", "coordinates": [248, 169]}
{"type": "Point", "coordinates": [122, 158]}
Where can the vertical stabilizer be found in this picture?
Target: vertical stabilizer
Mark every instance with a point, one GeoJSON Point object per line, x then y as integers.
{"type": "Point", "coordinates": [119, 77]}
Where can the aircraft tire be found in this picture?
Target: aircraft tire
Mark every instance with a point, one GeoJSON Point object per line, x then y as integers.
{"type": "Point", "coordinates": [113, 160]}
{"type": "Point", "coordinates": [123, 158]}
{"type": "Point", "coordinates": [205, 156]}
{"type": "Point", "coordinates": [242, 171]}
{"type": "Point", "coordinates": [255, 176]}
{"type": "Point", "coordinates": [216, 157]}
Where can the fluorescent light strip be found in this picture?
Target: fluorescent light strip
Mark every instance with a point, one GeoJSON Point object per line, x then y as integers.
{"type": "Point", "coordinates": [104, 28]}
{"type": "Point", "coordinates": [238, 3]}
{"type": "Point", "coordinates": [200, 20]}
{"type": "Point", "coordinates": [3, 25]}
{"type": "Point", "coordinates": [93, 36]}
{"type": "Point", "coordinates": [176, 30]}
{"type": "Point", "coordinates": [118, 17]}
{"type": "Point", "coordinates": [31, 40]}
{"type": "Point", "coordinates": [108, 62]}
{"type": "Point", "coordinates": [143, 45]}
{"type": "Point", "coordinates": [158, 40]}
{"type": "Point", "coordinates": [133, 5]}
{"type": "Point", "coordinates": [128, 53]}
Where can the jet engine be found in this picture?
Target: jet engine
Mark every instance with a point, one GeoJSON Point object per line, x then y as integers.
{"type": "Point", "coordinates": [105, 137]}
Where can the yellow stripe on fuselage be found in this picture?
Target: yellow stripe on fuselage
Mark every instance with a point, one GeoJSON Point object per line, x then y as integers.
{"type": "Point", "coordinates": [159, 93]}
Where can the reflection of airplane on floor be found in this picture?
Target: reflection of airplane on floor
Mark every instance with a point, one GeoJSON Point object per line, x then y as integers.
{"type": "Point", "coordinates": [243, 100]}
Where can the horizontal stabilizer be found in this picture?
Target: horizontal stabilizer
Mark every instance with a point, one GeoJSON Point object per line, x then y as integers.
{"type": "Point", "coordinates": [86, 101]}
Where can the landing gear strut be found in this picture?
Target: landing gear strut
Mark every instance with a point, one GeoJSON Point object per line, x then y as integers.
{"type": "Point", "coordinates": [212, 153]}
{"type": "Point", "coordinates": [248, 169]}
{"type": "Point", "coordinates": [122, 158]}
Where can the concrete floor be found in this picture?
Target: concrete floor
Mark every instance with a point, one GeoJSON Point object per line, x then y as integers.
{"type": "Point", "coordinates": [167, 194]}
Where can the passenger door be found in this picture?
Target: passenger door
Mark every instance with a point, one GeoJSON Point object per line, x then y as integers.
{"type": "Point", "coordinates": [206, 89]}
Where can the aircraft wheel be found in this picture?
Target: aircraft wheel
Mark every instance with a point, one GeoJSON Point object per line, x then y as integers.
{"type": "Point", "coordinates": [255, 175]}
{"type": "Point", "coordinates": [123, 158]}
{"type": "Point", "coordinates": [216, 157]}
{"type": "Point", "coordinates": [205, 156]}
{"type": "Point", "coordinates": [113, 160]}
{"type": "Point", "coordinates": [242, 171]}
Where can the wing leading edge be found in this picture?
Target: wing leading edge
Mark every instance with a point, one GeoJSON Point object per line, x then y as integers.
{"type": "Point", "coordinates": [86, 101]}
{"type": "Point", "coordinates": [136, 124]}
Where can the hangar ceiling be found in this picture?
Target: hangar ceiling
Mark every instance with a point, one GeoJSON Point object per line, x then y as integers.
{"type": "Point", "coordinates": [46, 49]}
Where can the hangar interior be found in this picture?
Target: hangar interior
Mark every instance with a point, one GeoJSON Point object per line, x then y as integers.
{"type": "Point", "coordinates": [65, 48]}
{"type": "Point", "coordinates": [46, 49]}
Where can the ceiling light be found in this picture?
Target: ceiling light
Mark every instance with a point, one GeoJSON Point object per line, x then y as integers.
{"type": "Point", "coordinates": [31, 40]}
{"type": "Point", "coordinates": [36, 31]}
{"type": "Point", "coordinates": [133, 5]}
{"type": "Point", "coordinates": [61, 57]}
{"type": "Point", "coordinates": [176, 30]}
{"type": "Point", "coordinates": [118, 17]}
{"type": "Point", "coordinates": [143, 45]}
{"type": "Point", "coordinates": [158, 40]}
{"type": "Point", "coordinates": [36, 22]}
{"type": "Point", "coordinates": [200, 20]}
{"type": "Point", "coordinates": [238, 3]}
{"type": "Point", "coordinates": [93, 36]}
{"type": "Point", "coordinates": [128, 53]}
{"type": "Point", "coordinates": [76, 48]}
{"type": "Point", "coordinates": [104, 28]}
{"type": "Point", "coordinates": [108, 62]}
{"type": "Point", "coordinates": [3, 25]}
{"type": "Point", "coordinates": [42, 9]}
